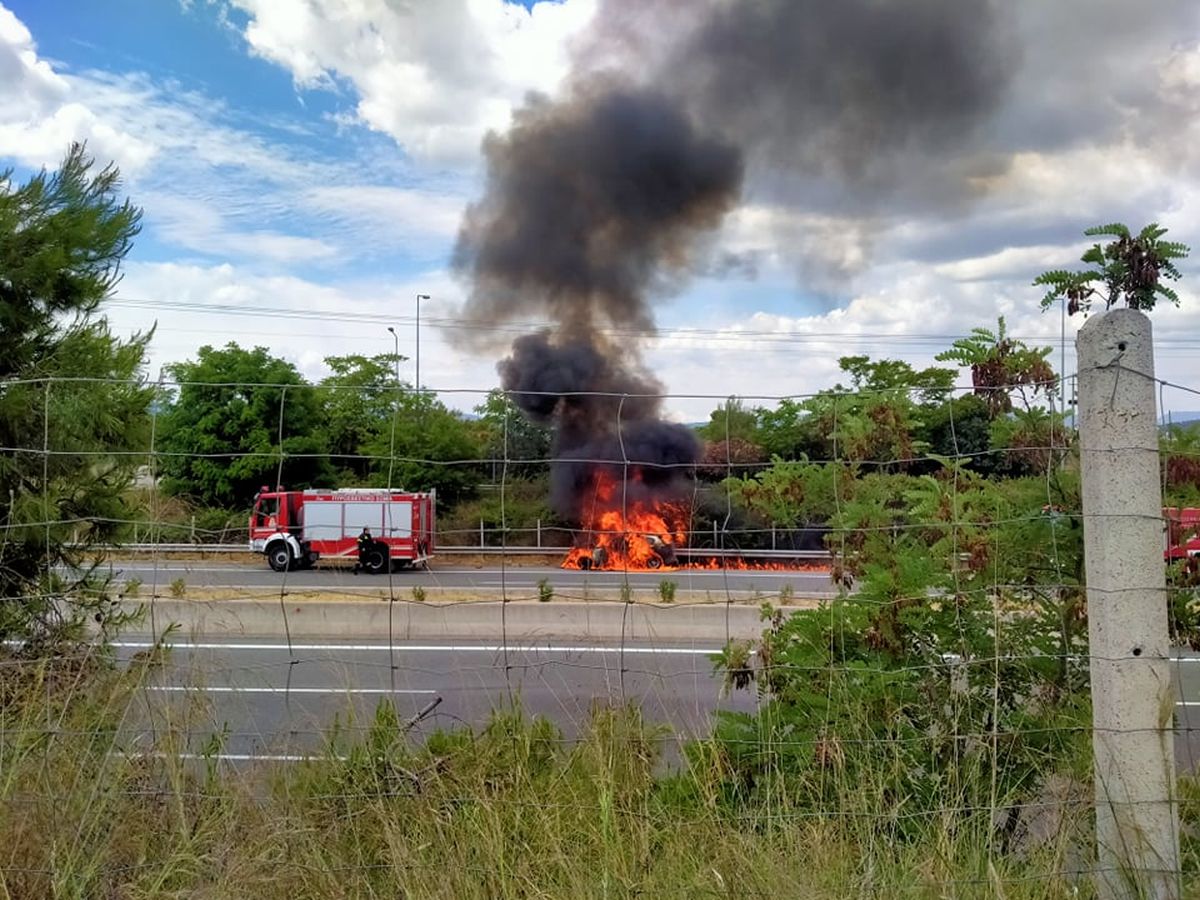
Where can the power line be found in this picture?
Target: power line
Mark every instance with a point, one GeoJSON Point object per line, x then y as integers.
{"type": "Point", "coordinates": [726, 335]}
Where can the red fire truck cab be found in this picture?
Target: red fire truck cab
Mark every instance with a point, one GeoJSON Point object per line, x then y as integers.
{"type": "Point", "coordinates": [293, 529]}
{"type": "Point", "coordinates": [1183, 532]}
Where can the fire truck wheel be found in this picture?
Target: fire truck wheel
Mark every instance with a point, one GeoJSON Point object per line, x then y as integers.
{"type": "Point", "coordinates": [279, 557]}
{"type": "Point", "coordinates": [376, 559]}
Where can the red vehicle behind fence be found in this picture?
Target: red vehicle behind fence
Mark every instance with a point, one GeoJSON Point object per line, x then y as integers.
{"type": "Point", "coordinates": [294, 529]}
{"type": "Point", "coordinates": [1183, 532]}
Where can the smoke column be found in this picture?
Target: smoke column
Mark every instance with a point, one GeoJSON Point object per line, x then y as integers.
{"type": "Point", "coordinates": [591, 201]}
{"type": "Point", "coordinates": [596, 201]}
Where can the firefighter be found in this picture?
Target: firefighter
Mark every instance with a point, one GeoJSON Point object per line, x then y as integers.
{"type": "Point", "coordinates": [364, 545]}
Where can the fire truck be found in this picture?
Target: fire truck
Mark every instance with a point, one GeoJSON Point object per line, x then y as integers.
{"type": "Point", "coordinates": [294, 529]}
{"type": "Point", "coordinates": [1183, 532]}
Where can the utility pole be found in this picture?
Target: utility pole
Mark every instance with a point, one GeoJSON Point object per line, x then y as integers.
{"type": "Point", "coordinates": [395, 407]}
{"type": "Point", "coordinates": [1137, 819]}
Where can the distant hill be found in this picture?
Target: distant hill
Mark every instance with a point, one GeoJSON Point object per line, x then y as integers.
{"type": "Point", "coordinates": [1180, 417]}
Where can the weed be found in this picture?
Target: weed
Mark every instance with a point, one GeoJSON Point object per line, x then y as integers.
{"type": "Point", "coordinates": [626, 592]}
{"type": "Point", "coordinates": [545, 590]}
{"type": "Point", "coordinates": [786, 593]}
{"type": "Point", "coordinates": [178, 588]}
{"type": "Point", "coordinates": [507, 809]}
{"type": "Point", "coordinates": [418, 593]}
{"type": "Point", "coordinates": [736, 662]}
{"type": "Point", "coordinates": [666, 591]}
{"type": "Point", "coordinates": [132, 587]}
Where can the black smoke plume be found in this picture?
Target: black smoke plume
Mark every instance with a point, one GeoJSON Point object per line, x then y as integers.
{"type": "Point", "coordinates": [590, 204]}
{"type": "Point", "coordinates": [605, 413]}
{"type": "Point", "coordinates": [596, 200]}
{"type": "Point", "coordinates": [861, 91]}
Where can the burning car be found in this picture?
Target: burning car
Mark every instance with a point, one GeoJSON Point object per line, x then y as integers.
{"type": "Point", "coordinates": [656, 554]}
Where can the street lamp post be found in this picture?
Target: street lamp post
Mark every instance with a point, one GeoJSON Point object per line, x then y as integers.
{"type": "Point", "coordinates": [395, 407]}
{"type": "Point", "coordinates": [420, 297]}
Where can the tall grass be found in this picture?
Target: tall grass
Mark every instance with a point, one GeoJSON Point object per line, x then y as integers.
{"type": "Point", "coordinates": [509, 810]}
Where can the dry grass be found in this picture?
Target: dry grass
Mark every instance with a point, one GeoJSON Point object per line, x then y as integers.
{"type": "Point", "coordinates": [509, 811]}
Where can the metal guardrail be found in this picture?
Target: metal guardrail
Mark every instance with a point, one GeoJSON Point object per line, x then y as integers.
{"type": "Point", "coordinates": [460, 550]}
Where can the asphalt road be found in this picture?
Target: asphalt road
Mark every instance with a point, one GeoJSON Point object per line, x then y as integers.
{"type": "Point", "coordinates": [278, 702]}
{"type": "Point", "coordinates": [519, 579]}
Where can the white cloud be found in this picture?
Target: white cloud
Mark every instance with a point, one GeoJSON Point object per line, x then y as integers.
{"type": "Point", "coordinates": [383, 214]}
{"type": "Point", "coordinates": [41, 113]}
{"type": "Point", "coordinates": [199, 226]}
{"type": "Point", "coordinates": [301, 320]}
{"type": "Point", "coordinates": [435, 75]}
{"type": "Point", "coordinates": [1011, 262]}
{"type": "Point", "coordinates": [208, 186]}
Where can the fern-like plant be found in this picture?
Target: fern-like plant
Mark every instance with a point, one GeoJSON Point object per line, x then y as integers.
{"type": "Point", "coordinates": [1128, 268]}
{"type": "Point", "coordinates": [1000, 365]}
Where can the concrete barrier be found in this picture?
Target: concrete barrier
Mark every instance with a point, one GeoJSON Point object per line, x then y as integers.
{"type": "Point", "coordinates": [486, 620]}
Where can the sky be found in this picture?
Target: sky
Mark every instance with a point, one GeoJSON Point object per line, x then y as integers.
{"type": "Point", "coordinates": [304, 167]}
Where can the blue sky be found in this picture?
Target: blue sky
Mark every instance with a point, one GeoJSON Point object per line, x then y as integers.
{"type": "Point", "coordinates": [304, 164]}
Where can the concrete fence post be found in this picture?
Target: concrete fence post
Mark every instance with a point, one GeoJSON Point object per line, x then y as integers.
{"type": "Point", "coordinates": [1137, 825]}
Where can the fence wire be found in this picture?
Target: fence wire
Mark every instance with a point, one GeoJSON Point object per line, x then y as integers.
{"type": "Point", "coordinates": [916, 665]}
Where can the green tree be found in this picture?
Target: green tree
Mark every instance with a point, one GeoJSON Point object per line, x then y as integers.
{"type": "Point", "coordinates": [731, 421]}
{"type": "Point", "coordinates": [505, 433]}
{"type": "Point", "coordinates": [792, 493]}
{"type": "Point", "coordinates": [877, 419]}
{"type": "Point", "coordinates": [1001, 366]}
{"type": "Point", "coordinates": [788, 430]}
{"type": "Point", "coordinates": [430, 447]}
{"type": "Point", "coordinates": [222, 435]}
{"type": "Point", "coordinates": [875, 376]}
{"type": "Point", "coordinates": [1180, 452]}
{"type": "Point", "coordinates": [884, 682]}
{"type": "Point", "coordinates": [1129, 268]}
{"type": "Point", "coordinates": [73, 403]}
{"type": "Point", "coordinates": [357, 403]}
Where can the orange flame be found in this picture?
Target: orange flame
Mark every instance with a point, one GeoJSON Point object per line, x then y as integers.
{"type": "Point", "coordinates": [641, 537]}
{"type": "Point", "coordinates": [644, 536]}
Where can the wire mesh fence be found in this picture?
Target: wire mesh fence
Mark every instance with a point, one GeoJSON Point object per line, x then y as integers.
{"type": "Point", "coordinates": [662, 697]}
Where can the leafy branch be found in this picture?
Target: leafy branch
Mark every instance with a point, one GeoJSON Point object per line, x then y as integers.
{"type": "Point", "coordinates": [1128, 268]}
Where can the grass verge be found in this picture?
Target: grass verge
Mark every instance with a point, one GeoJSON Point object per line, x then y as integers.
{"type": "Point", "coordinates": [509, 810]}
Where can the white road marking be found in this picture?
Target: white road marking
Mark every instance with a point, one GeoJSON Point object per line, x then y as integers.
{"type": "Point", "coordinates": [237, 757]}
{"type": "Point", "coordinates": [516, 572]}
{"type": "Point", "coordinates": [234, 689]}
{"type": "Point", "coordinates": [423, 648]}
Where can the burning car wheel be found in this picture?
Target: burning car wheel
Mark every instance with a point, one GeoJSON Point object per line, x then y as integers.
{"type": "Point", "coordinates": [376, 559]}
{"type": "Point", "coordinates": [654, 563]}
{"type": "Point", "coordinates": [279, 557]}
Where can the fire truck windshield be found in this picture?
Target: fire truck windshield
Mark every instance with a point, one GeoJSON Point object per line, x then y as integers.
{"type": "Point", "coordinates": [265, 512]}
